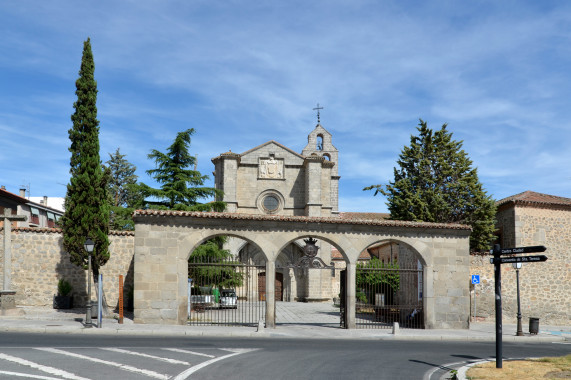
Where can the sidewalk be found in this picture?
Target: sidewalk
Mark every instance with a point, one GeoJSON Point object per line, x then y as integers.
{"type": "Point", "coordinates": [48, 320]}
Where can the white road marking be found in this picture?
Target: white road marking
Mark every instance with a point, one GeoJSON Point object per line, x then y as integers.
{"type": "Point", "coordinates": [188, 352]}
{"type": "Point", "coordinates": [43, 368]}
{"type": "Point", "coordinates": [106, 362]}
{"type": "Point", "coordinates": [235, 351]}
{"type": "Point", "coordinates": [28, 376]}
{"type": "Point", "coordinates": [168, 360]}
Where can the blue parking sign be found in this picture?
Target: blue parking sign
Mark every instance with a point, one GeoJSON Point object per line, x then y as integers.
{"type": "Point", "coordinates": [475, 279]}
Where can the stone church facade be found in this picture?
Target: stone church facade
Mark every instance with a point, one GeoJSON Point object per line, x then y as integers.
{"type": "Point", "coordinates": [272, 179]}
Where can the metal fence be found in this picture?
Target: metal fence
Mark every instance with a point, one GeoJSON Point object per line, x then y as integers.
{"type": "Point", "coordinates": [225, 293]}
{"type": "Point", "coordinates": [387, 295]}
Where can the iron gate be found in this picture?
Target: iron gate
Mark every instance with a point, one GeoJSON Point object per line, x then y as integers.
{"type": "Point", "coordinates": [225, 292]}
{"type": "Point", "coordinates": [385, 295]}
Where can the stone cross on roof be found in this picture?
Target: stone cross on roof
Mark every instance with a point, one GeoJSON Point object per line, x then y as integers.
{"type": "Point", "coordinates": [318, 108]}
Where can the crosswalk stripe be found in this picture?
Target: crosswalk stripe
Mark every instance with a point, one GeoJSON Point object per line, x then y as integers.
{"type": "Point", "coordinates": [168, 360]}
{"type": "Point", "coordinates": [43, 368]}
{"type": "Point", "coordinates": [107, 362]}
{"type": "Point", "coordinates": [188, 352]}
{"type": "Point", "coordinates": [28, 376]}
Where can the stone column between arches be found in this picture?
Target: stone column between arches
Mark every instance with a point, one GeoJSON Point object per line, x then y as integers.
{"type": "Point", "coordinates": [270, 294]}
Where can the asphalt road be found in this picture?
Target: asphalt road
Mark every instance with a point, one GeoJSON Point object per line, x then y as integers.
{"type": "Point", "coordinates": [44, 356]}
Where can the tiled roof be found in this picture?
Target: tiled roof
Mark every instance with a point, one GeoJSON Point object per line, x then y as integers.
{"type": "Point", "coordinates": [303, 219]}
{"type": "Point", "coordinates": [538, 199]}
{"type": "Point", "coordinates": [59, 230]}
{"type": "Point", "coordinates": [336, 255]}
{"type": "Point", "coordinates": [14, 197]}
{"type": "Point", "coordinates": [21, 200]}
{"type": "Point", "coordinates": [365, 215]}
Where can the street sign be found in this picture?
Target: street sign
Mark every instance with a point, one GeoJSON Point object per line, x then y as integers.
{"type": "Point", "coordinates": [518, 259]}
{"type": "Point", "coordinates": [475, 279]}
{"type": "Point", "coordinates": [516, 250]}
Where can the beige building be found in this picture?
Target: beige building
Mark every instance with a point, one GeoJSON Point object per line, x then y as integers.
{"type": "Point", "coordinates": [530, 219]}
{"type": "Point", "coordinates": [38, 214]}
{"type": "Point", "coordinates": [272, 179]}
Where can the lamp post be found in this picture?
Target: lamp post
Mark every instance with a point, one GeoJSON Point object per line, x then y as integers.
{"type": "Point", "coordinates": [88, 245]}
{"type": "Point", "coordinates": [519, 331]}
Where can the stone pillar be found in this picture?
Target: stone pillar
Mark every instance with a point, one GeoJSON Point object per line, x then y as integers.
{"type": "Point", "coordinates": [270, 294]}
{"type": "Point", "coordinates": [350, 301]}
{"type": "Point", "coordinates": [8, 296]}
{"type": "Point", "coordinates": [313, 202]}
{"type": "Point", "coordinates": [230, 179]}
{"type": "Point", "coordinates": [428, 297]}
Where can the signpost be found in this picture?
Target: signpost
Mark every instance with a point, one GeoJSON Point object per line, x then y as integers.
{"type": "Point", "coordinates": [497, 261]}
{"type": "Point", "coordinates": [519, 259]}
{"type": "Point", "coordinates": [475, 281]}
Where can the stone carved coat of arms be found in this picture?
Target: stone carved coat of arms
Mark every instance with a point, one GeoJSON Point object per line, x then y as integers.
{"type": "Point", "coordinates": [271, 168]}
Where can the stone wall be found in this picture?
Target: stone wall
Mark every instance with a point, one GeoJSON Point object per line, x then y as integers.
{"type": "Point", "coordinates": [39, 262]}
{"type": "Point", "coordinates": [545, 287]}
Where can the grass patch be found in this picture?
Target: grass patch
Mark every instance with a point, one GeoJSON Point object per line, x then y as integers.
{"type": "Point", "coordinates": [544, 368]}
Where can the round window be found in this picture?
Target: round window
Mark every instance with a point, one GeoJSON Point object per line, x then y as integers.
{"type": "Point", "coordinates": [271, 203]}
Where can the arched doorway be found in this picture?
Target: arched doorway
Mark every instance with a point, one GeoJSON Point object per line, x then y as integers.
{"type": "Point", "coordinates": [389, 287]}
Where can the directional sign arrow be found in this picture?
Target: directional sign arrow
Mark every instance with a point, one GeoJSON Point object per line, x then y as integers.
{"type": "Point", "coordinates": [516, 250]}
{"type": "Point", "coordinates": [519, 259]}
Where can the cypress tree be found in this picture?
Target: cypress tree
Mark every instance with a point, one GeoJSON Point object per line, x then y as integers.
{"type": "Point", "coordinates": [435, 182]}
{"type": "Point", "coordinates": [86, 204]}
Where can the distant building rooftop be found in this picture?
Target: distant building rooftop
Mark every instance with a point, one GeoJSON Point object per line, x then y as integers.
{"type": "Point", "coordinates": [532, 198]}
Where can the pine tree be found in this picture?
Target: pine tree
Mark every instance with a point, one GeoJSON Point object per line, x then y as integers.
{"type": "Point", "coordinates": [435, 182]}
{"type": "Point", "coordinates": [124, 194]}
{"type": "Point", "coordinates": [86, 204]}
{"type": "Point", "coordinates": [181, 187]}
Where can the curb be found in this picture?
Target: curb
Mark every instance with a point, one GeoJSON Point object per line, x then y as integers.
{"type": "Point", "coordinates": [271, 333]}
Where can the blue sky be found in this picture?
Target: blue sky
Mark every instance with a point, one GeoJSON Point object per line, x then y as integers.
{"type": "Point", "coordinates": [245, 72]}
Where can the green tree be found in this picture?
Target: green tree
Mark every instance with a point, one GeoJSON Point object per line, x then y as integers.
{"type": "Point", "coordinates": [220, 270]}
{"type": "Point", "coordinates": [374, 278]}
{"type": "Point", "coordinates": [182, 186]}
{"type": "Point", "coordinates": [86, 203]}
{"type": "Point", "coordinates": [124, 194]}
{"type": "Point", "coordinates": [435, 182]}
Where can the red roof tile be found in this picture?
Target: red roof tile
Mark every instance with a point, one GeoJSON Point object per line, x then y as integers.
{"type": "Point", "coordinates": [365, 215]}
{"type": "Point", "coordinates": [533, 198]}
{"type": "Point", "coordinates": [303, 219]}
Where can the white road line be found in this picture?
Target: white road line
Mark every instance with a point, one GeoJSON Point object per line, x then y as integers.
{"type": "Point", "coordinates": [168, 360]}
{"type": "Point", "coordinates": [235, 351]}
{"type": "Point", "coordinates": [28, 376]}
{"type": "Point", "coordinates": [106, 362]}
{"type": "Point", "coordinates": [43, 368]}
{"type": "Point", "coordinates": [188, 352]}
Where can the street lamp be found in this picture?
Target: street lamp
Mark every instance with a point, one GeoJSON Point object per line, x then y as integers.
{"type": "Point", "coordinates": [88, 245]}
{"type": "Point", "coordinates": [519, 332]}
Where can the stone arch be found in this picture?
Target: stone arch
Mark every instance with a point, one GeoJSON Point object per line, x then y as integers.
{"type": "Point", "coordinates": [188, 244]}
{"type": "Point", "coordinates": [318, 236]}
{"type": "Point", "coordinates": [404, 242]}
